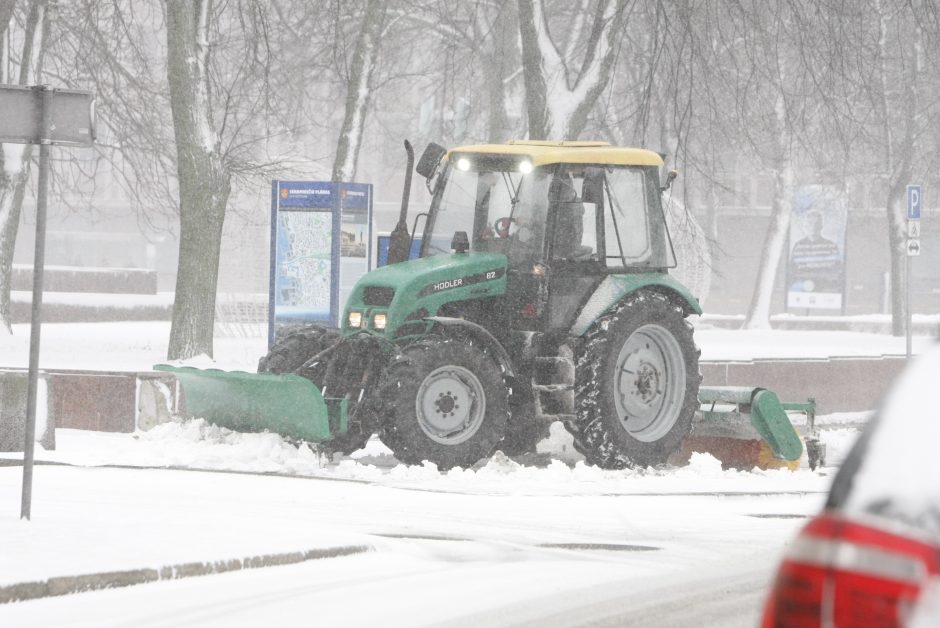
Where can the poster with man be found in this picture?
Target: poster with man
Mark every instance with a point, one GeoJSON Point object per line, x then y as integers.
{"type": "Point", "coordinates": [816, 268]}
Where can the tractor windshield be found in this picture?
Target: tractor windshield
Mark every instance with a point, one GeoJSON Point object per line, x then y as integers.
{"type": "Point", "coordinates": [499, 201]}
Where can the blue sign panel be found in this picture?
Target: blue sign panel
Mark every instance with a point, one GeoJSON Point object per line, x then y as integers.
{"type": "Point", "coordinates": [382, 246]}
{"type": "Point", "coordinates": [355, 196]}
{"type": "Point", "coordinates": [321, 234]}
{"type": "Point", "coordinates": [305, 194]}
{"type": "Point", "coordinates": [914, 202]}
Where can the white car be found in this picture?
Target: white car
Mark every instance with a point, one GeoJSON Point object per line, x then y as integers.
{"type": "Point", "coordinates": [872, 556]}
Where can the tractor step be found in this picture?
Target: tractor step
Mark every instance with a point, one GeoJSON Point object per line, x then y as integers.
{"type": "Point", "coordinates": [553, 386]}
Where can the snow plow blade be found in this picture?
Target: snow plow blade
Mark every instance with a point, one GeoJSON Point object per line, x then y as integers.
{"type": "Point", "coordinates": [286, 404]}
{"type": "Point", "coordinates": [748, 427]}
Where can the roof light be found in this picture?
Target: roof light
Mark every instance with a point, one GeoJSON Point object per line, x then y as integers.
{"type": "Point", "coordinates": [525, 167]}
{"type": "Point", "coordinates": [463, 164]}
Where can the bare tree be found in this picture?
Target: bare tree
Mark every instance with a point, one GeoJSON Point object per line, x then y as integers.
{"type": "Point", "coordinates": [560, 93]}
{"type": "Point", "coordinates": [475, 69]}
{"type": "Point", "coordinates": [230, 120]}
{"type": "Point", "coordinates": [899, 55]}
{"type": "Point", "coordinates": [359, 89]}
{"type": "Point", "coordinates": [760, 67]}
{"type": "Point", "coordinates": [204, 182]}
{"type": "Point", "coordinates": [15, 158]}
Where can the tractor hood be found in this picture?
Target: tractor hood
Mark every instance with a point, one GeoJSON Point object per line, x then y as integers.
{"type": "Point", "coordinates": [416, 289]}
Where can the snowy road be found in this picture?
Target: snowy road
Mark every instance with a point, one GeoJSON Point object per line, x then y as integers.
{"type": "Point", "coordinates": [451, 559]}
{"type": "Point", "coordinates": [428, 584]}
{"type": "Point", "coordinates": [498, 545]}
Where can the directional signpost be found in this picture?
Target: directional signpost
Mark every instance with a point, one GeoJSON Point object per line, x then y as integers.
{"type": "Point", "coordinates": [45, 116]}
{"type": "Point", "coordinates": [915, 202]}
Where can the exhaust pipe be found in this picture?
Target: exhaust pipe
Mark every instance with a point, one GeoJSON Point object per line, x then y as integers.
{"type": "Point", "coordinates": [399, 245]}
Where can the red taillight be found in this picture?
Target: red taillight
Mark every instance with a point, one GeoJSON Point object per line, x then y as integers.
{"type": "Point", "coordinates": [840, 573]}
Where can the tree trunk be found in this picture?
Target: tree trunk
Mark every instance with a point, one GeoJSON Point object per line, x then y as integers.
{"type": "Point", "coordinates": [897, 239]}
{"type": "Point", "coordinates": [13, 180]}
{"type": "Point", "coordinates": [502, 60]}
{"type": "Point", "coordinates": [359, 90]}
{"type": "Point", "coordinates": [899, 157]}
{"type": "Point", "coordinates": [758, 314]}
{"type": "Point", "coordinates": [557, 102]}
{"type": "Point", "coordinates": [15, 158]}
{"type": "Point", "coordinates": [204, 182]}
{"type": "Point", "coordinates": [785, 117]}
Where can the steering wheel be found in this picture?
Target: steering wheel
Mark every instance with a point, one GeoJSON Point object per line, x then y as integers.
{"type": "Point", "coordinates": [502, 226]}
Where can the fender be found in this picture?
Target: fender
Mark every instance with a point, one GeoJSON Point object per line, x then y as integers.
{"type": "Point", "coordinates": [615, 287]}
{"type": "Point", "coordinates": [477, 332]}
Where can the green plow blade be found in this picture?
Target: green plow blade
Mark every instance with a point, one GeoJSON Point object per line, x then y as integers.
{"type": "Point", "coordinates": [758, 407]}
{"type": "Point", "coordinates": [286, 404]}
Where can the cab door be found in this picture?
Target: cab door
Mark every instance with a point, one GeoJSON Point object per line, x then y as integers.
{"type": "Point", "coordinates": [576, 252]}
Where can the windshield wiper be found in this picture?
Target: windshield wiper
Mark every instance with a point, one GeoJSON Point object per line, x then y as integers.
{"type": "Point", "coordinates": [513, 192]}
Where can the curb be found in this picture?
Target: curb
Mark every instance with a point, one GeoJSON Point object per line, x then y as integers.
{"type": "Point", "coordinates": [65, 585]}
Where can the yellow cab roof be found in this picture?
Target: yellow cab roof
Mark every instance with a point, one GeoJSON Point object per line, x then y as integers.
{"type": "Point", "coordinates": [543, 153]}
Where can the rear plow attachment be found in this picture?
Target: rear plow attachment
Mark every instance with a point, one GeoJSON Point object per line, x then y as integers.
{"type": "Point", "coordinates": [749, 427]}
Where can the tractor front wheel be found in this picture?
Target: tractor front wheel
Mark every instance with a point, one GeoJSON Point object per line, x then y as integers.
{"type": "Point", "coordinates": [445, 401]}
{"type": "Point", "coordinates": [637, 384]}
{"type": "Point", "coordinates": [295, 347]}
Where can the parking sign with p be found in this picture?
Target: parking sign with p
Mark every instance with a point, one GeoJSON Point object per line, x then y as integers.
{"type": "Point", "coordinates": [914, 202]}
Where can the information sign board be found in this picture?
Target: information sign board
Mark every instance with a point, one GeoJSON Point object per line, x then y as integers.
{"type": "Point", "coordinates": [321, 234]}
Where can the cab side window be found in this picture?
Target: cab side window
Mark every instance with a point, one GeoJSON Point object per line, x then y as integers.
{"type": "Point", "coordinates": [575, 235]}
{"type": "Point", "coordinates": [626, 221]}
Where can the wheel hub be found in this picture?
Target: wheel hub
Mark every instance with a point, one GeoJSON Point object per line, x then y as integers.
{"type": "Point", "coordinates": [450, 405]}
{"type": "Point", "coordinates": [446, 404]}
{"type": "Point", "coordinates": [647, 383]}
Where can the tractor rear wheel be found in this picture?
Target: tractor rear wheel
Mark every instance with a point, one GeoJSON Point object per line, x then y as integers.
{"type": "Point", "coordinates": [444, 401]}
{"type": "Point", "coordinates": [637, 384]}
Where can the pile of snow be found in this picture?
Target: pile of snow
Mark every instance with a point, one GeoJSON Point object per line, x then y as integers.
{"type": "Point", "coordinates": [196, 444]}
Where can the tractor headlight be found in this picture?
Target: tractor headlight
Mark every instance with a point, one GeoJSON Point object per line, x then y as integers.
{"type": "Point", "coordinates": [463, 164]}
{"type": "Point", "coordinates": [379, 321]}
{"type": "Point", "coordinates": [355, 319]}
{"type": "Point", "coordinates": [525, 167]}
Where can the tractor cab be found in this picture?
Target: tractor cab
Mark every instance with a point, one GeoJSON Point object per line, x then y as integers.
{"type": "Point", "coordinates": [565, 214]}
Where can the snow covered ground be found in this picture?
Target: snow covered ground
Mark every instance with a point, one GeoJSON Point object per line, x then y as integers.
{"type": "Point", "coordinates": [500, 544]}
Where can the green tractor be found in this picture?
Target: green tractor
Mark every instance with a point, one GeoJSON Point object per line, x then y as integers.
{"type": "Point", "coordinates": [541, 293]}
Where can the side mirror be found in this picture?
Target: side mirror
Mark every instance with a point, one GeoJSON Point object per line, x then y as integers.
{"type": "Point", "coordinates": [592, 190]}
{"type": "Point", "coordinates": [431, 156]}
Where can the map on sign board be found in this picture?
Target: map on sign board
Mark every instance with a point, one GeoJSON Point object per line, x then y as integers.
{"type": "Point", "coordinates": [304, 265]}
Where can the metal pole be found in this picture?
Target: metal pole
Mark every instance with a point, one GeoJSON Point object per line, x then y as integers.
{"type": "Point", "coordinates": [36, 319]}
{"type": "Point", "coordinates": [907, 281]}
